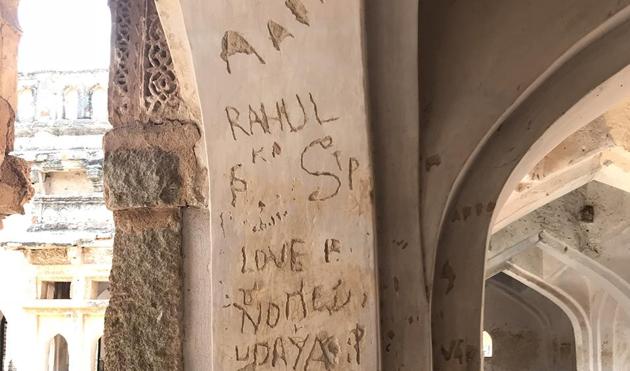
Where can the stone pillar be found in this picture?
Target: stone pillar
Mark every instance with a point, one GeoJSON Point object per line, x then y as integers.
{"type": "Point", "coordinates": [150, 174]}
{"type": "Point", "coordinates": [394, 97]}
{"type": "Point", "coordinates": [15, 187]}
{"type": "Point", "coordinates": [143, 321]}
{"type": "Point", "coordinates": [290, 283]}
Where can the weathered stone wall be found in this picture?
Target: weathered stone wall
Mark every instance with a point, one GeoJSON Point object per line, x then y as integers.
{"type": "Point", "coordinates": [15, 188]}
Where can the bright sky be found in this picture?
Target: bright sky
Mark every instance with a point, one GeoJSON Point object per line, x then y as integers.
{"type": "Point", "coordinates": [64, 35]}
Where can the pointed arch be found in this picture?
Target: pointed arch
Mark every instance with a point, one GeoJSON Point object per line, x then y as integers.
{"type": "Point", "coordinates": [58, 354]}
{"type": "Point", "coordinates": [71, 103]}
{"type": "Point", "coordinates": [26, 105]}
{"type": "Point", "coordinates": [98, 103]}
{"type": "Point", "coordinates": [560, 104]}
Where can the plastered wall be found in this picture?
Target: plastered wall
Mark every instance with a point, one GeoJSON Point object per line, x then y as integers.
{"type": "Point", "coordinates": [291, 192]}
{"type": "Point", "coordinates": [529, 332]}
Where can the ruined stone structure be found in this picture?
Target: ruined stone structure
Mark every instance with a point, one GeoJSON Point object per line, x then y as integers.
{"type": "Point", "coordinates": [15, 188]}
{"type": "Point", "coordinates": [56, 259]}
{"type": "Point", "coordinates": [318, 185]}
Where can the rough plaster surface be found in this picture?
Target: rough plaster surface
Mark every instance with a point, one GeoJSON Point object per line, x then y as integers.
{"type": "Point", "coordinates": [529, 332]}
{"type": "Point", "coordinates": [608, 130]}
{"type": "Point", "coordinates": [604, 239]}
{"type": "Point", "coordinates": [563, 219]}
{"type": "Point", "coordinates": [594, 137]}
{"type": "Point", "coordinates": [292, 234]}
{"type": "Point", "coordinates": [146, 293]}
{"type": "Point", "coordinates": [617, 122]}
{"type": "Point", "coordinates": [581, 264]}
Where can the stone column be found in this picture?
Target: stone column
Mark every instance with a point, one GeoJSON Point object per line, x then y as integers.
{"type": "Point", "coordinates": [15, 187]}
{"type": "Point", "coordinates": [290, 283]}
{"type": "Point", "coordinates": [150, 174]}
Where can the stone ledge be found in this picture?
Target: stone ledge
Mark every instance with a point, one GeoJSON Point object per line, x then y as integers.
{"type": "Point", "coordinates": [59, 128]}
{"type": "Point", "coordinates": [153, 166]}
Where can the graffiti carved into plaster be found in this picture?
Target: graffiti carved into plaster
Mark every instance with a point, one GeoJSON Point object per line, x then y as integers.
{"type": "Point", "coordinates": [278, 309]}
{"type": "Point", "coordinates": [291, 262]}
{"type": "Point", "coordinates": [234, 42]}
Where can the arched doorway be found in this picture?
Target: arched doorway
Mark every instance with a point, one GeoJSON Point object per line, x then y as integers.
{"type": "Point", "coordinates": [525, 330]}
{"type": "Point", "coordinates": [58, 355]}
{"type": "Point", "coordinates": [488, 345]}
{"type": "Point", "coordinates": [26, 105]}
{"type": "Point", "coordinates": [98, 103]}
{"type": "Point", "coordinates": [559, 105]}
{"type": "Point", "coordinates": [70, 103]}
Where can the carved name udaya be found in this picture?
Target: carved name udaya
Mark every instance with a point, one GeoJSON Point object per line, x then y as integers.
{"type": "Point", "coordinates": [313, 351]}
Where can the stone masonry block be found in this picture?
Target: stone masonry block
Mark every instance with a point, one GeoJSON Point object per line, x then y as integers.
{"type": "Point", "coordinates": [142, 177]}
{"type": "Point", "coordinates": [143, 323]}
{"type": "Point", "coordinates": [153, 166]}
